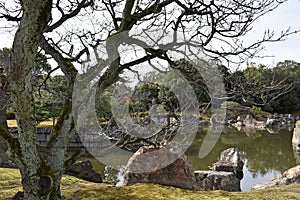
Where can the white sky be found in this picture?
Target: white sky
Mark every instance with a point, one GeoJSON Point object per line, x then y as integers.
{"type": "Point", "coordinates": [285, 16]}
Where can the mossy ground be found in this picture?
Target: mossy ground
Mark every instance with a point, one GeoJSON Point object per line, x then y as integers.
{"type": "Point", "coordinates": [75, 189]}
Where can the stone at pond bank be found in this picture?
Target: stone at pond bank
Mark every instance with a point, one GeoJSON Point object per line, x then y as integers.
{"type": "Point", "coordinates": [179, 174]}
{"type": "Point", "coordinates": [290, 176]}
{"type": "Point", "coordinates": [249, 121]}
{"type": "Point", "coordinates": [230, 161]}
{"type": "Point", "coordinates": [263, 122]}
{"type": "Point", "coordinates": [84, 170]}
{"type": "Point", "coordinates": [296, 137]}
{"type": "Point", "coordinates": [265, 185]}
{"type": "Point", "coordinates": [216, 180]}
{"type": "Point", "coordinates": [226, 173]}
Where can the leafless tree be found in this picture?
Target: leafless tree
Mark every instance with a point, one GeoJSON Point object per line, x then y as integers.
{"type": "Point", "coordinates": [67, 31]}
{"type": "Point", "coordinates": [257, 92]}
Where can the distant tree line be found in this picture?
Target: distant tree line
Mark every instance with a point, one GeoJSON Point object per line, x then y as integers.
{"type": "Point", "coordinates": [273, 90]}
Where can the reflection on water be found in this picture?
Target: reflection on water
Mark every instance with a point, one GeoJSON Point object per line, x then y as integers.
{"type": "Point", "coordinates": [266, 154]}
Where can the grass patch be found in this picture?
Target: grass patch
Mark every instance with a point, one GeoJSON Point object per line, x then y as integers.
{"type": "Point", "coordinates": [13, 124]}
{"type": "Point", "coordinates": [44, 124]}
{"type": "Point", "coordinates": [10, 183]}
{"type": "Point", "coordinates": [73, 188]}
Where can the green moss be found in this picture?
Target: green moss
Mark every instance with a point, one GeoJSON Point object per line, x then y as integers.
{"type": "Point", "coordinates": [142, 114]}
{"type": "Point", "coordinates": [13, 142]}
{"type": "Point", "coordinates": [44, 170]}
{"type": "Point", "coordinates": [73, 188]}
{"type": "Point", "coordinates": [234, 109]}
{"type": "Point", "coordinates": [151, 191]}
{"type": "Point", "coordinates": [71, 68]}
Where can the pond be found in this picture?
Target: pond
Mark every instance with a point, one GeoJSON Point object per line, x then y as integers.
{"type": "Point", "coordinates": [267, 154]}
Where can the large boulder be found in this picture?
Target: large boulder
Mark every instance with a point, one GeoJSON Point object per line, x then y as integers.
{"type": "Point", "coordinates": [179, 174]}
{"type": "Point", "coordinates": [296, 137]}
{"type": "Point", "coordinates": [84, 170]}
{"type": "Point", "coordinates": [216, 180]}
{"type": "Point", "coordinates": [290, 176]}
{"type": "Point", "coordinates": [230, 161]}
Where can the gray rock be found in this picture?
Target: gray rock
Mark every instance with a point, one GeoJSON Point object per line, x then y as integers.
{"type": "Point", "coordinates": [288, 177]}
{"type": "Point", "coordinates": [216, 180]}
{"type": "Point", "coordinates": [249, 121]}
{"type": "Point", "coordinates": [296, 137]}
{"type": "Point", "coordinates": [84, 170]}
{"type": "Point", "coordinates": [268, 184]}
{"type": "Point", "coordinates": [291, 176]}
{"type": "Point", "coordinates": [271, 122]}
{"type": "Point", "coordinates": [239, 123]}
{"type": "Point", "coordinates": [239, 118]}
{"type": "Point", "coordinates": [290, 119]}
{"type": "Point", "coordinates": [179, 174]}
{"type": "Point", "coordinates": [230, 161]}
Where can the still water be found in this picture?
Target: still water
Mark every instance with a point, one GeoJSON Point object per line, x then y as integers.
{"type": "Point", "coordinates": [267, 154]}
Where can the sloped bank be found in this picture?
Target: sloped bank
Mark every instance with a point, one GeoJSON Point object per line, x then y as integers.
{"type": "Point", "coordinates": [73, 188]}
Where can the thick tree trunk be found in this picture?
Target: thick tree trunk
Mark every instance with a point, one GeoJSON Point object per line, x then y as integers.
{"type": "Point", "coordinates": [40, 188]}
{"type": "Point", "coordinates": [37, 178]}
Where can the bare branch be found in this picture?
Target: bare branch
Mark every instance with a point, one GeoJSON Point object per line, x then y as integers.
{"type": "Point", "coordinates": [83, 4]}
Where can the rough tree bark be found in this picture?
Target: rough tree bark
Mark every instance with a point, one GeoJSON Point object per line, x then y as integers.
{"type": "Point", "coordinates": [64, 130]}
{"type": "Point", "coordinates": [37, 179]}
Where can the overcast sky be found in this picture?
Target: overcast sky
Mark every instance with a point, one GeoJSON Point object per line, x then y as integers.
{"type": "Point", "coordinates": [285, 16]}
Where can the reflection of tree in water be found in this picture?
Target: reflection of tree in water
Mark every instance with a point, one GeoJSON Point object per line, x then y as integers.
{"type": "Point", "coordinates": [268, 152]}
{"type": "Point", "coordinates": [207, 161]}
{"type": "Point", "coordinates": [263, 151]}
{"type": "Point", "coordinates": [212, 157]}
